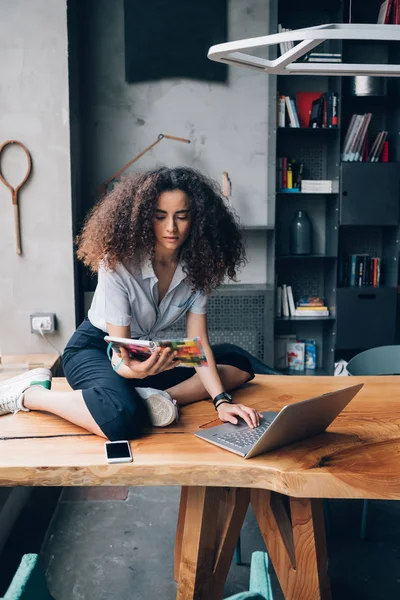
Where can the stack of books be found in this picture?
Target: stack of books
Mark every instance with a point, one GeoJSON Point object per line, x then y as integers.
{"type": "Point", "coordinates": [318, 186]}
{"type": "Point", "coordinates": [318, 109]}
{"type": "Point", "coordinates": [284, 46]}
{"type": "Point", "coordinates": [324, 111]}
{"type": "Point", "coordinates": [322, 57]}
{"type": "Point", "coordinates": [304, 307]}
{"type": "Point", "coordinates": [311, 306]}
{"type": "Point", "coordinates": [355, 148]}
{"type": "Point", "coordinates": [389, 12]}
{"type": "Point", "coordinates": [315, 110]}
{"type": "Point", "coordinates": [287, 107]}
{"type": "Point", "coordinates": [359, 270]}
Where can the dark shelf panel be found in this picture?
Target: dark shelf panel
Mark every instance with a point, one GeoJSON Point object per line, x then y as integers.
{"type": "Point", "coordinates": [292, 6]}
{"type": "Point", "coordinates": [240, 288]}
{"type": "Point", "coordinates": [295, 194]}
{"type": "Point", "coordinates": [303, 256]}
{"type": "Point", "coordinates": [313, 130]}
{"type": "Point", "coordinates": [286, 319]}
{"type": "Point", "coordinates": [257, 227]}
{"type": "Point", "coordinates": [366, 288]}
{"type": "Point", "coordinates": [367, 163]}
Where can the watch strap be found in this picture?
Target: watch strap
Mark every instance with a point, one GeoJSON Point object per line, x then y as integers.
{"type": "Point", "coordinates": [222, 396]}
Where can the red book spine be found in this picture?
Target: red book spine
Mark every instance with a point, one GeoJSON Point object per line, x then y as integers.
{"type": "Point", "coordinates": [375, 272]}
{"type": "Point", "coordinates": [284, 172]}
{"type": "Point", "coordinates": [385, 152]}
{"type": "Point", "coordinates": [388, 11]}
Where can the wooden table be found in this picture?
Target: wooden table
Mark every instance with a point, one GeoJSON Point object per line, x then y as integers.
{"type": "Point", "coordinates": [357, 458]}
{"type": "Point", "coordinates": [14, 364]}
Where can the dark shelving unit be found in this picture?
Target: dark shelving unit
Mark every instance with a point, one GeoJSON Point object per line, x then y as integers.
{"type": "Point", "coordinates": [362, 217]}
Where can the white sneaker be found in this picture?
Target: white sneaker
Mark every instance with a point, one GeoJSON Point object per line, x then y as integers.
{"type": "Point", "coordinates": [162, 409]}
{"type": "Point", "coordinates": [12, 390]}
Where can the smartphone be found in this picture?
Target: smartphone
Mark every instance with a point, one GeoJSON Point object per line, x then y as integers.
{"type": "Point", "coordinates": [118, 452]}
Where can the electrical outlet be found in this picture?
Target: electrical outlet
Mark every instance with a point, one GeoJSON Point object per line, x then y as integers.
{"type": "Point", "coordinates": [43, 322]}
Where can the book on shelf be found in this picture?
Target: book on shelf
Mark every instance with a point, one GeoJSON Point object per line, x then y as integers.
{"type": "Point", "coordinates": [302, 308]}
{"type": "Point", "coordinates": [316, 186]}
{"type": "Point", "coordinates": [308, 110]}
{"type": "Point", "coordinates": [310, 301]}
{"type": "Point", "coordinates": [322, 57]}
{"type": "Point", "coordinates": [289, 174]}
{"type": "Point", "coordinates": [389, 13]}
{"type": "Point", "coordinates": [284, 46]}
{"type": "Point", "coordinates": [292, 308]}
{"type": "Point", "coordinates": [359, 270]}
{"type": "Point", "coordinates": [285, 302]}
{"type": "Point", "coordinates": [323, 111]}
{"type": "Point", "coordinates": [312, 312]}
{"type": "Point", "coordinates": [356, 143]}
{"type": "Point", "coordinates": [281, 106]}
{"type": "Point", "coordinates": [286, 107]}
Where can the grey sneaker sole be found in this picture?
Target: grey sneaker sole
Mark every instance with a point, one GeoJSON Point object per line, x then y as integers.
{"type": "Point", "coordinates": [162, 411]}
{"type": "Point", "coordinates": [40, 374]}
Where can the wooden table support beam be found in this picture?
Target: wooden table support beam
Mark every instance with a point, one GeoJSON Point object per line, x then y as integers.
{"type": "Point", "coordinates": [295, 542]}
{"type": "Point", "coordinates": [209, 524]}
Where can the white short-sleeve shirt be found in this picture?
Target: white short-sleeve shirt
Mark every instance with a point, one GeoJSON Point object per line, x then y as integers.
{"type": "Point", "coordinates": [130, 297]}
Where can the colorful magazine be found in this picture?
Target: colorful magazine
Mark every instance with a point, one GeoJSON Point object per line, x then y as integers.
{"type": "Point", "coordinates": [190, 352]}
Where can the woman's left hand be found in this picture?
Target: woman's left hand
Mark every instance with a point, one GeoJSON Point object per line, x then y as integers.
{"type": "Point", "coordinates": [229, 413]}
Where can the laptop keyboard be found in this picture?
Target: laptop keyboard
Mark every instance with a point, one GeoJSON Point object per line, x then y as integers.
{"type": "Point", "coordinates": [245, 437]}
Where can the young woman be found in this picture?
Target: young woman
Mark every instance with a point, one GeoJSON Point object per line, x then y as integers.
{"type": "Point", "coordinates": [160, 243]}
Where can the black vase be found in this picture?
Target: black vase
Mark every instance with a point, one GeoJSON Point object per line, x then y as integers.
{"type": "Point", "coordinates": [301, 234]}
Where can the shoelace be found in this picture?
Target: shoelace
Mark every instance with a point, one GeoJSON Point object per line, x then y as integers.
{"type": "Point", "coordinates": [10, 403]}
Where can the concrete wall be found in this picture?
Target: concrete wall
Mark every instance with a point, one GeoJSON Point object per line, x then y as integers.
{"type": "Point", "coordinates": [227, 123]}
{"type": "Point", "coordinates": [34, 108]}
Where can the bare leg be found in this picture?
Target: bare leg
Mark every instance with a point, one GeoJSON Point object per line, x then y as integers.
{"type": "Point", "coordinates": [193, 390]}
{"type": "Point", "coordinates": [68, 405]}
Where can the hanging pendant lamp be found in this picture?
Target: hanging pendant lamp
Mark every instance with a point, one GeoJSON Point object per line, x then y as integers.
{"type": "Point", "coordinates": [234, 53]}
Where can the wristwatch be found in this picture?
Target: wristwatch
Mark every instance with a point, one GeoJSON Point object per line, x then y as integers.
{"type": "Point", "coordinates": [222, 398]}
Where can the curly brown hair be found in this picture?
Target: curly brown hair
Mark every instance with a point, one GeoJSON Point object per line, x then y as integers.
{"type": "Point", "coordinates": [119, 229]}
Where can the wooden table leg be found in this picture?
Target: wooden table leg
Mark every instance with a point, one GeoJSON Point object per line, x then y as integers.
{"type": "Point", "coordinates": [212, 519]}
{"type": "Point", "coordinates": [179, 531]}
{"type": "Point", "coordinates": [294, 534]}
{"type": "Point", "coordinates": [233, 505]}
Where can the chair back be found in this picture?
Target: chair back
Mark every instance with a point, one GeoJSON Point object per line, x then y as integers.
{"type": "Point", "coordinates": [260, 581]}
{"type": "Point", "coordinates": [29, 581]}
{"type": "Point", "coordinates": [384, 360]}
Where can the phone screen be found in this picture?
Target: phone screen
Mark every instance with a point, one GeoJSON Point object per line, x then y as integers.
{"type": "Point", "coordinates": [118, 450]}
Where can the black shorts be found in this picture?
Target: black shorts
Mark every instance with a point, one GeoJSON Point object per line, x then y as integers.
{"type": "Point", "coordinates": [112, 400]}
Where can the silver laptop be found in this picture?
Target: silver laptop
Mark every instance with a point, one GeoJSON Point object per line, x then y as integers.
{"type": "Point", "coordinates": [293, 423]}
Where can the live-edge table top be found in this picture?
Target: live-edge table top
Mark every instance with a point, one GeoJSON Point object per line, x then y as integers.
{"type": "Point", "coordinates": [358, 457]}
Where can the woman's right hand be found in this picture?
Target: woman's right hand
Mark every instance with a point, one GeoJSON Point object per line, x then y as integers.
{"type": "Point", "coordinates": [160, 360]}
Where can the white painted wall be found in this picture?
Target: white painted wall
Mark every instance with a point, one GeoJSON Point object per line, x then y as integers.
{"type": "Point", "coordinates": [34, 108]}
{"type": "Point", "coordinates": [227, 123]}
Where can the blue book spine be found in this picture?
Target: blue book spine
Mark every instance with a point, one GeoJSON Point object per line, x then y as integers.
{"type": "Point", "coordinates": [353, 270]}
